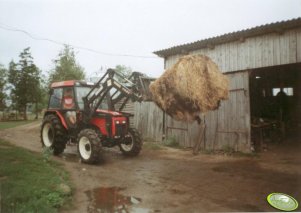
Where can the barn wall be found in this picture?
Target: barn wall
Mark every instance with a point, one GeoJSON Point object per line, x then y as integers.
{"type": "Point", "coordinates": [148, 120]}
{"type": "Point", "coordinates": [229, 126]}
{"type": "Point", "coordinates": [254, 52]}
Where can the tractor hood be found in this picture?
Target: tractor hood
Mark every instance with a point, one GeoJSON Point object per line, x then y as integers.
{"type": "Point", "coordinates": [113, 113]}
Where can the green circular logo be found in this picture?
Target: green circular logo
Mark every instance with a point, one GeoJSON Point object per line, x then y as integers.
{"type": "Point", "coordinates": [282, 202]}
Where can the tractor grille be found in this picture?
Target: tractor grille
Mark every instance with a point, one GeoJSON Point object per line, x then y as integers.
{"type": "Point", "coordinates": [121, 130]}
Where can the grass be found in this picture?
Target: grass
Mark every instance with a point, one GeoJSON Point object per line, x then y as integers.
{"type": "Point", "coordinates": [29, 182]}
{"type": "Point", "coordinates": [12, 124]}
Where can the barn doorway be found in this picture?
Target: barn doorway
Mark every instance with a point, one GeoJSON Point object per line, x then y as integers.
{"type": "Point", "coordinates": [275, 103]}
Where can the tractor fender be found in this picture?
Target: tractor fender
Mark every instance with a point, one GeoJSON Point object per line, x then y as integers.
{"type": "Point", "coordinates": [59, 114]}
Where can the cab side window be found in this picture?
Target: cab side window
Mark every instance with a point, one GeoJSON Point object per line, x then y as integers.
{"type": "Point", "coordinates": [56, 98]}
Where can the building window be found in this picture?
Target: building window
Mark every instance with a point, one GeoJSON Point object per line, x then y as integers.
{"type": "Point", "coordinates": [287, 90]}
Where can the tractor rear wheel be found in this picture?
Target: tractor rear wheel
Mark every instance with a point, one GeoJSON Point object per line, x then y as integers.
{"type": "Point", "coordinates": [53, 134]}
{"type": "Point", "coordinates": [132, 145]}
{"type": "Point", "coordinates": [89, 146]}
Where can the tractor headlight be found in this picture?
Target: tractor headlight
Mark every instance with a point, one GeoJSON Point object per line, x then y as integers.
{"type": "Point", "coordinates": [117, 122]}
{"type": "Point", "coordinates": [123, 122]}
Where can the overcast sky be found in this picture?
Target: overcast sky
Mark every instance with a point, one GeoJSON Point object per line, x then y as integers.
{"type": "Point", "coordinates": [127, 27]}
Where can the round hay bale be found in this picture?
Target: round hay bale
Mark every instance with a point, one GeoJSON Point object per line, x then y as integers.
{"type": "Point", "coordinates": [193, 85]}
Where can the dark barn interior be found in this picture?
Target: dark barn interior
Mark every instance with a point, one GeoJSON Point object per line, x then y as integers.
{"type": "Point", "coordinates": [275, 104]}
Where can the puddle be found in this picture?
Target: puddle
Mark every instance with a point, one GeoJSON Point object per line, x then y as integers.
{"type": "Point", "coordinates": [109, 200]}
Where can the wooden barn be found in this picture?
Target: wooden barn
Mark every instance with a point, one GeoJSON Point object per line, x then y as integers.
{"type": "Point", "coordinates": [259, 62]}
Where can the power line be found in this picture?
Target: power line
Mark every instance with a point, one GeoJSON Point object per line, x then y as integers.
{"type": "Point", "coordinates": [9, 28]}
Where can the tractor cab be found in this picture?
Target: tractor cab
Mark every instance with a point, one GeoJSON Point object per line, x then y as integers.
{"type": "Point", "coordinates": [68, 95]}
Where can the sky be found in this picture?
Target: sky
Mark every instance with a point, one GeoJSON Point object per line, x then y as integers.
{"type": "Point", "coordinates": [115, 29]}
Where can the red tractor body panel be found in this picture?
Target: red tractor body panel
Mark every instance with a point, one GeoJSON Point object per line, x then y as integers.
{"type": "Point", "coordinates": [109, 112]}
{"type": "Point", "coordinates": [101, 124]}
{"type": "Point", "coordinates": [117, 120]}
{"type": "Point", "coordinates": [63, 84]}
{"type": "Point", "coordinates": [58, 113]}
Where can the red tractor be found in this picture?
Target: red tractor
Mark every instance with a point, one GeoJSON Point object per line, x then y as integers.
{"type": "Point", "coordinates": [86, 114]}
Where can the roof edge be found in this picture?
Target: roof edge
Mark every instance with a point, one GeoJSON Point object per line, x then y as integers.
{"type": "Point", "coordinates": [275, 27]}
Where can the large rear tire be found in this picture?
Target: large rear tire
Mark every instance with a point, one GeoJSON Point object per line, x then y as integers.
{"type": "Point", "coordinates": [132, 145]}
{"type": "Point", "coordinates": [53, 134]}
{"type": "Point", "coordinates": [89, 146]}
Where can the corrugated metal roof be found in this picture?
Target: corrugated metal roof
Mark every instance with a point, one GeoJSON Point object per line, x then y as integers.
{"type": "Point", "coordinates": [209, 42]}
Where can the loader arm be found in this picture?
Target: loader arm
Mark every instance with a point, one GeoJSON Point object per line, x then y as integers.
{"type": "Point", "coordinates": [115, 87]}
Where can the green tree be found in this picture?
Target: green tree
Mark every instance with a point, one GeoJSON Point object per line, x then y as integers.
{"type": "Point", "coordinates": [66, 67]}
{"type": "Point", "coordinates": [25, 80]}
{"type": "Point", "coordinates": [41, 100]}
{"type": "Point", "coordinates": [124, 70]}
{"type": "Point", "coordinates": [12, 76]}
{"type": "Point", "coordinates": [3, 80]}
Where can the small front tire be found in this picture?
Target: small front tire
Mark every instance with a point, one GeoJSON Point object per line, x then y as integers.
{"type": "Point", "coordinates": [132, 145]}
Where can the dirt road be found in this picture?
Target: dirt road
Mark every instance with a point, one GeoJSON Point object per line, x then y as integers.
{"type": "Point", "coordinates": [171, 180]}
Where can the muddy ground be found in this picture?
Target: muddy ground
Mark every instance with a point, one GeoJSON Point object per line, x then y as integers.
{"type": "Point", "coordinates": [172, 180]}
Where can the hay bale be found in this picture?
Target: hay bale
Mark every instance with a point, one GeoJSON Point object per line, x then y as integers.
{"type": "Point", "coordinates": [193, 85]}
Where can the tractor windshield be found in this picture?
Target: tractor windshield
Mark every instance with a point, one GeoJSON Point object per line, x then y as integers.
{"type": "Point", "coordinates": [81, 92]}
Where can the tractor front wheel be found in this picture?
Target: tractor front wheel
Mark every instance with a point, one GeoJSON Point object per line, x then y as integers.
{"type": "Point", "coordinates": [132, 145]}
{"type": "Point", "coordinates": [89, 146]}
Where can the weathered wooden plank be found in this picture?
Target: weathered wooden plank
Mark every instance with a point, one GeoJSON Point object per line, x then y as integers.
{"type": "Point", "coordinates": [265, 51]}
{"type": "Point", "coordinates": [157, 122]}
{"type": "Point", "coordinates": [292, 51]}
{"type": "Point", "coordinates": [149, 120]}
{"type": "Point", "coordinates": [231, 56]}
{"type": "Point", "coordinates": [221, 62]}
{"type": "Point", "coordinates": [235, 56]}
{"type": "Point", "coordinates": [270, 50]}
{"type": "Point", "coordinates": [245, 138]}
{"type": "Point", "coordinates": [258, 52]}
{"type": "Point", "coordinates": [245, 60]}
{"type": "Point", "coordinates": [251, 50]}
{"type": "Point", "coordinates": [219, 57]}
{"type": "Point", "coordinates": [224, 55]}
{"type": "Point", "coordinates": [227, 54]}
{"type": "Point", "coordinates": [276, 50]}
{"type": "Point", "coordinates": [284, 48]}
{"type": "Point", "coordinates": [298, 38]}
{"type": "Point", "coordinates": [211, 128]}
{"type": "Point", "coordinates": [242, 51]}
